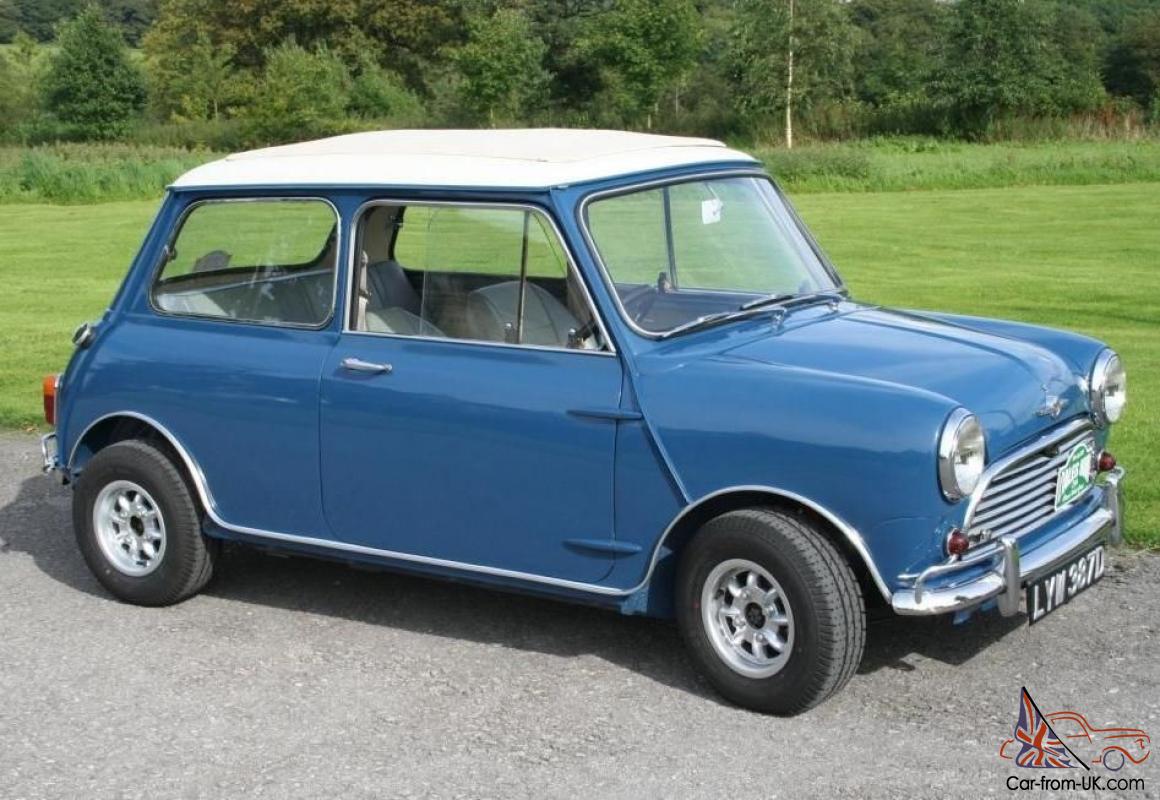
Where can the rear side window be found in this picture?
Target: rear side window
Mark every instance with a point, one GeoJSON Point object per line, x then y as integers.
{"type": "Point", "coordinates": [269, 261]}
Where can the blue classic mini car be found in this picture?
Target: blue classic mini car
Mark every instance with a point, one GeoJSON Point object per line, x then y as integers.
{"type": "Point", "coordinates": [608, 367]}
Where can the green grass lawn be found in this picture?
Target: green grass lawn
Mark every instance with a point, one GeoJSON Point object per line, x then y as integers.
{"type": "Point", "coordinates": [1075, 257]}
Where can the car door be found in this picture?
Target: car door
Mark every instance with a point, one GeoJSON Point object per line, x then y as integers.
{"type": "Point", "coordinates": [225, 348]}
{"type": "Point", "coordinates": [468, 409]}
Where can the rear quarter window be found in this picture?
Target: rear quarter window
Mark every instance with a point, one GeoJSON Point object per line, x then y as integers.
{"type": "Point", "coordinates": [267, 261]}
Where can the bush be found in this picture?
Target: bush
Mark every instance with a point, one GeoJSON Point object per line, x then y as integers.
{"type": "Point", "coordinates": [76, 173]}
{"type": "Point", "coordinates": [376, 93]}
{"type": "Point", "coordinates": [835, 165]}
{"type": "Point", "coordinates": [300, 95]}
{"type": "Point", "coordinates": [90, 85]}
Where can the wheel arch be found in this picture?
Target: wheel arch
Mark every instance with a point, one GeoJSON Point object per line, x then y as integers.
{"type": "Point", "coordinates": [120, 426]}
{"type": "Point", "coordinates": [840, 533]}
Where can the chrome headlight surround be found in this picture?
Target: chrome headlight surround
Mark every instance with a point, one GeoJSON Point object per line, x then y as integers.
{"type": "Point", "coordinates": [1108, 388]}
{"type": "Point", "coordinates": [962, 455]}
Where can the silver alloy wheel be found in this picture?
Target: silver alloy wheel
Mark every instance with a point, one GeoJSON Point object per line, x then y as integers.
{"type": "Point", "coordinates": [129, 528]}
{"type": "Point", "coordinates": [747, 617]}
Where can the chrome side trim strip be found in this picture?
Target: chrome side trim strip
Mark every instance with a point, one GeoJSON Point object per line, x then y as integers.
{"type": "Point", "coordinates": [852, 535]}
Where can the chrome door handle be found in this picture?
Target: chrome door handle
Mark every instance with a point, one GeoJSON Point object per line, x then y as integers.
{"type": "Point", "coordinates": [358, 365]}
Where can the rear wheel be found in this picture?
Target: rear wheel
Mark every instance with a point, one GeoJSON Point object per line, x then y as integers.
{"type": "Point", "coordinates": [771, 612]}
{"type": "Point", "coordinates": [138, 526]}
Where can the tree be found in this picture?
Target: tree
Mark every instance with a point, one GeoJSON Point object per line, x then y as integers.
{"type": "Point", "coordinates": [403, 35]}
{"type": "Point", "coordinates": [643, 47]}
{"type": "Point", "coordinates": [1079, 40]}
{"type": "Point", "coordinates": [39, 18]}
{"type": "Point", "coordinates": [574, 77]}
{"type": "Point", "coordinates": [302, 93]}
{"type": "Point", "coordinates": [19, 77]}
{"type": "Point", "coordinates": [789, 57]}
{"type": "Point", "coordinates": [898, 48]}
{"type": "Point", "coordinates": [193, 81]}
{"type": "Point", "coordinates": [376, 93]}
{"type": "Point", "coordinates": [133, 17]}
{"type": "Point", "coordinates": [9, 21]}
{"type": "Point", "coordinates": [1133, 62]}
{"type": "Point", "coordinates": [90, 84]}
{"type": "Point", "coordinates": [1000, 61]}
{"type": "Point", "coordinates": [501, 67]}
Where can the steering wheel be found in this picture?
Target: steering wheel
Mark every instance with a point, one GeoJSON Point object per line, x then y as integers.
{"type": "Point", "coordinates": [662, 286]}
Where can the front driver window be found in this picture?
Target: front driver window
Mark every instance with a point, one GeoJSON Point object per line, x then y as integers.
{"type": "Point", "coordinates": [492, 274]}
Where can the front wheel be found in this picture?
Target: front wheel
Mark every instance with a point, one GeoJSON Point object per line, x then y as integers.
{"type": "Point", "coordinates": [771, 612]}
{"type": "Point", "coordinates": [1113, 759]}
{"type": "Point", "coordinates": [138, 526]}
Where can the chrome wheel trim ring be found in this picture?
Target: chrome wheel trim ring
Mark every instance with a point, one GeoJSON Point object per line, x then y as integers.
{"type": "Point", "coordinates": [129, 527]}
{"type": "Point", "coordinates": [747, 618]}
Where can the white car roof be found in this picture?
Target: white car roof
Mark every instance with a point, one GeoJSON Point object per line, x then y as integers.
{"type": "Point", "coordinates": [523, 158]}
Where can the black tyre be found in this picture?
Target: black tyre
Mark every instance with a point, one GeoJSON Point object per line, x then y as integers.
{"type": "Point", "coordinates": [138, 526]}
{"type": "Point", "coordinates": [771, 612]}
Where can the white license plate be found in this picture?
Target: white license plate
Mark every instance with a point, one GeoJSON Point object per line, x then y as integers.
{"type": "Point", "coordinates": [1058, 587]}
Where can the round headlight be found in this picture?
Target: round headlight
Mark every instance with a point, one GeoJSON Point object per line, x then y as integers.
{"type": "Point", "coordinates": [962, 454]}
{"type": "Point", "coordinates": [1109, 388]}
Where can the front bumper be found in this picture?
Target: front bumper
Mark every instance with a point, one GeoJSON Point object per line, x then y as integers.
{"type": "Point", "coordinates": [1007, 569]}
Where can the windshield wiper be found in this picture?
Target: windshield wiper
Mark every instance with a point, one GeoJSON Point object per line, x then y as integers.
{"type": "Point", "coordinates": [709, 320]}
{"type": "Point", "coordinates": [790, 298]}
{"type": "Point", "coordinates": [773, 301]}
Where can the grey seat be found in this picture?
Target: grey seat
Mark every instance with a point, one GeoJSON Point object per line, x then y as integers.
{"type": "Point", "coordinates": [491, 313]}
{"type": "Point", "coordinates": [390, 288]}
{"type": "Point", "coordinates": [400, 321]}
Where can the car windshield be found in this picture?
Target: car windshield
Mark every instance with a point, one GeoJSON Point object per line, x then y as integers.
{"type": "Point", "coordinates": [703, 251]}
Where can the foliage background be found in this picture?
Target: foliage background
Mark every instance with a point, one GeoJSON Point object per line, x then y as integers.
{"type": "Point", "coordinates": [225, 74]}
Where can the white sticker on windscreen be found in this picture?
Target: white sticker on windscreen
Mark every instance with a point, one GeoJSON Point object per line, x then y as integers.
{"type": "Point", "coordinates": [711, 211]}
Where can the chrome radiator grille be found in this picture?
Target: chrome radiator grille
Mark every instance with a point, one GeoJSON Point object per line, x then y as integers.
{"type": "Point", "coordinates": [1020, 495]}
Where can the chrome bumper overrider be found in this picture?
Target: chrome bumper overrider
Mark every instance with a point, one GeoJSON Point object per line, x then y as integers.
{"type": "Point", "coordinates": [1008, 570]}
{"type": "Point", "coordinates": [48, 452]}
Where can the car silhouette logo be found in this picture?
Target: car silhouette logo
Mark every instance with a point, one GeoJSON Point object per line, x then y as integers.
{"type": "Point", "coordinates": [1046, 741]}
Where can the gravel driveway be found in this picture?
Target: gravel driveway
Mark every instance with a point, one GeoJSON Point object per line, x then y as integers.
{"type": "Point", "coordinates": [298, 678]}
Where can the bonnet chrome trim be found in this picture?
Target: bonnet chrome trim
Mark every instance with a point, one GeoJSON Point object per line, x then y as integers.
{"type": "Point", "coordinates": [203, 491]}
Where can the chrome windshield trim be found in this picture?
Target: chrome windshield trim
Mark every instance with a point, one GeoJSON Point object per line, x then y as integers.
{"type": "Point", "coordinates": [203, 491]}
{"type": "Point", "coordinates": [738, 172]}
{"type": "Point", "coordinates": [543, 212]}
